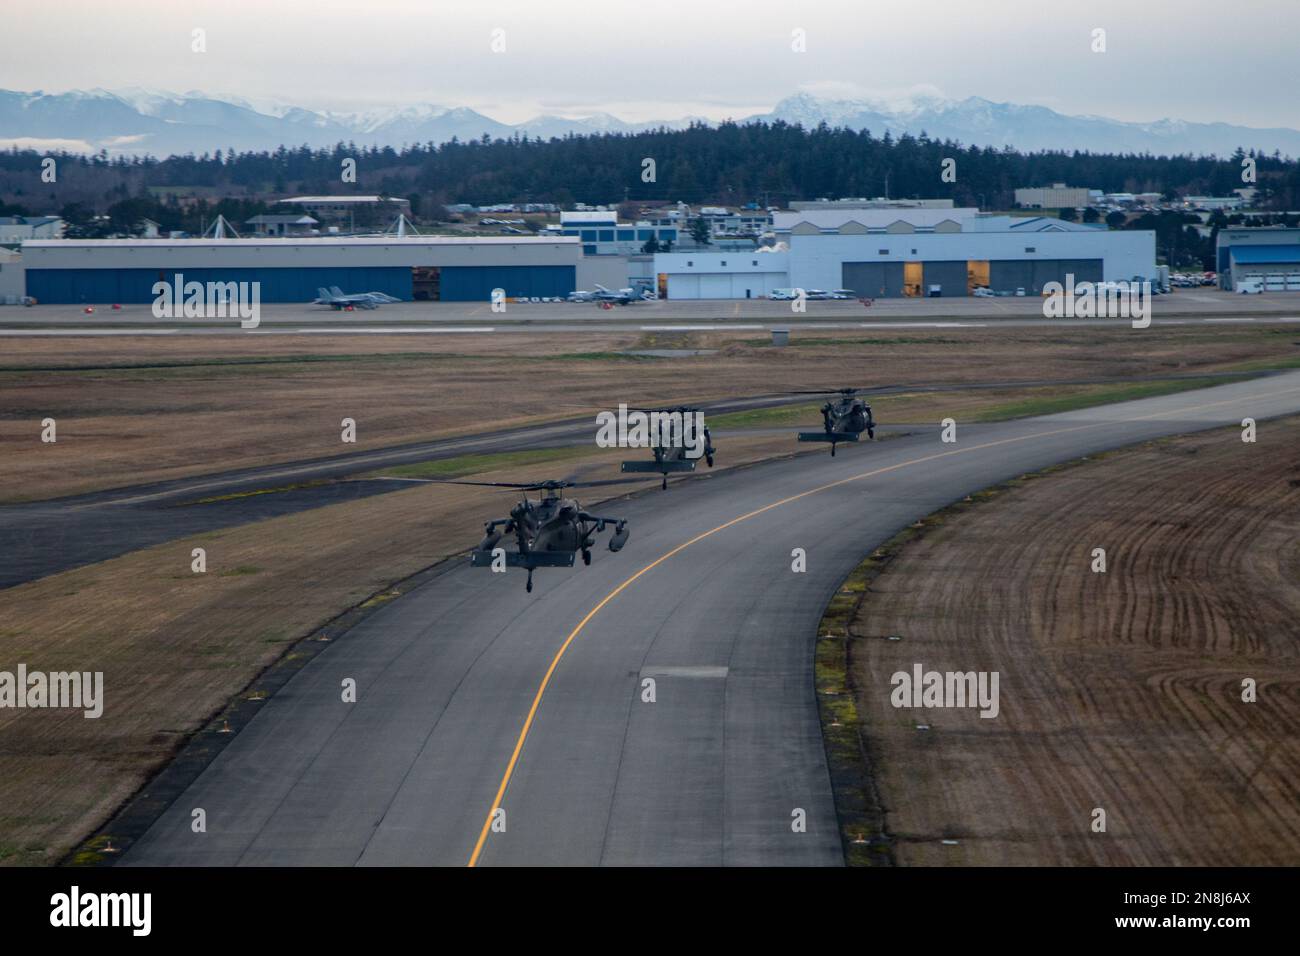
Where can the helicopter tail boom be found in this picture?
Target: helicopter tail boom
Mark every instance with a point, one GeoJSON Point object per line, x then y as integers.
{"type": "Point", "coordinates": [828, 436]}
{"type": "Point", "coordinates": [659, 467]}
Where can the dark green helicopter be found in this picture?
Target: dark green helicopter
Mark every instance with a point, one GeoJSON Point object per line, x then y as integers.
{"type": "Point", "coordinates": [671, 458]}
{"type": "Point", "coordinates": [549, 532]}
{"type": "Point", "coordinates": [843, 418]}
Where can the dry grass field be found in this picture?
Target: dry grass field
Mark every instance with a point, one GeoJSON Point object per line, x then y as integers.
{"type": "Point", "coordinates": [131, 410]}
{"type": "Point", "coordinates": [175, 647]}
{"type": "Point", "coordinates": [1120, 690]}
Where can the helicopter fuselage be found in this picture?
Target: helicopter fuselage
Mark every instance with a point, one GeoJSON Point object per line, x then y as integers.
{"type": "Point", "coordinates": [849, 417]}
{"type": "Point", "coordinates": [553, 524]}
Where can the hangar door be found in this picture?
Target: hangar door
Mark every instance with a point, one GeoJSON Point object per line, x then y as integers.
{"type": "Point", "coordinates": [874, 279]}
{"type": "Point", "coordinates": [950, 277]}
{"type": "Point", "coordinates": [475, 283]}
{"type": "Point", "coordinates": [1007, 275]}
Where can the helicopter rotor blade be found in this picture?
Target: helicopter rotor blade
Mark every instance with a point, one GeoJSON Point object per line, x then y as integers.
{"type": "Point", "coordinates": [839, 391]}
{"type": "Point", "coordinates": [529, 485]}
{"type": "Point", "coordinates": [536, 485]}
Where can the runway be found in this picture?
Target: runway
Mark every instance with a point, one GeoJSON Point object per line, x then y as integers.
{"type": "Point", "coordinates": [705, 315]}
{"type": "Point", "coordinates": [474, 696]}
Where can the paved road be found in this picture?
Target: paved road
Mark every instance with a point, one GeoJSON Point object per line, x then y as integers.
{"type": "Point", "coordinates": [758, 315]}
{"type": "Point", "coordinates": [702, 599]}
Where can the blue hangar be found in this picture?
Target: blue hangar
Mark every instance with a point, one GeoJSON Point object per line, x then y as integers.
{"type": "Point", "coordinates": [429, 268]}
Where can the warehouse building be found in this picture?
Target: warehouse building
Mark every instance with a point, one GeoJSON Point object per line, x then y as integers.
{"type": "Point", "coordinates": [1056, 196]}
{"type": "Point", "coordinates": [721, 275]}
{"type": "Point", "coordinates": [432, 268]}
{"type": "Point", "coordinates": [12, 285]}
{"type": "Point", "coordinates": [603, 235]}
{"type": "Point", "coordinates": [18, 229]}
{"type": "Point", "coordinates": [947, 257]}
{"type": "Point", "coordinates": [1271, 253]}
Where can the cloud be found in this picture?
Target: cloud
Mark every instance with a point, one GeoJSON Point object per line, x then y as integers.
{"type": "Point", "coordinates": [47, 145]}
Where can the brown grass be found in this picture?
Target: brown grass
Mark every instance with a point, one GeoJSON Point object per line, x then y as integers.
{"type": "Point", "coordinates": [175, 646]}
{"type": "Point", "coordinates": [168, 419]}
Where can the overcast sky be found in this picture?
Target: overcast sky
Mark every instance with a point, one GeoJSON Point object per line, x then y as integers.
{"type": "Point", "coordinates": [661, 59]}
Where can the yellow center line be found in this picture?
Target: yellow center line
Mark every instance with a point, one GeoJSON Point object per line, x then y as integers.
{"type": "Point", "coordinates": [555, 661]}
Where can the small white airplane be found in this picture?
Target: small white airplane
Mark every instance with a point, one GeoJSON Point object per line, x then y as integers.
{"type": "Point", "coordinates": [336, 299]}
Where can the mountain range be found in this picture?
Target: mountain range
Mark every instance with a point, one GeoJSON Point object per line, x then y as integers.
{"type": "Point", "coordinates": [161, 123]}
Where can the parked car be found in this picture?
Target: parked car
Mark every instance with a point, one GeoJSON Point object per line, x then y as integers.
{"type": "Point", "coordinates": [844, 294]}
{"type": "Point", "coordinates": [782, 295]}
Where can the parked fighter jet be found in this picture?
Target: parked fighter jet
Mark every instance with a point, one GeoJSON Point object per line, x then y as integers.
{"type": "Point", "coordinates": [336, 299]}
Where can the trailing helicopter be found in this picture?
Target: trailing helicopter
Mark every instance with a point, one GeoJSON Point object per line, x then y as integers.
{"type": "Point", "coordinates": [671, 457]}
{"type": "Point", "coordinates": [549, 532]}
{"type": "Point", "coordinates": [843, 418]}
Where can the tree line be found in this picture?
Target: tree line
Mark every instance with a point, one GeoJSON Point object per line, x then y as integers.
{"type": "Point", "coordinates": [728, 164]}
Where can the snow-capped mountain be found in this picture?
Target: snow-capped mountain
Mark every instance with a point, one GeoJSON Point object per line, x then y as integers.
{"type": "Point", "coordinates": [986, 123]}
{"type": "Point", "coordinates": [161, 123]}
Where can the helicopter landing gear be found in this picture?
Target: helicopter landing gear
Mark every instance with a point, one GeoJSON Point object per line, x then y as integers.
{"type": "Point", "coordinates": [529, 586]}
{"type": "Point", "coordinates": [586, 556]}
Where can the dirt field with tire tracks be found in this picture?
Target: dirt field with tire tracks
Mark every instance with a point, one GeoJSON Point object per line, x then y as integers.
{"type": "Point", "coordinates": [1120, 690]}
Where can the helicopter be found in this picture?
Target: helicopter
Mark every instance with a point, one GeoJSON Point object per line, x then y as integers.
{"type": "Point", "coordinates": [843, 418]}
{"type": "Point", "coordinates": [671, 457]}
{"type": "Point", "coordinates": [550, 532]}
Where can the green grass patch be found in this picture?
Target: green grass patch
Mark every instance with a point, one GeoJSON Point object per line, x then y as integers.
{"type": "Point", "coordinates": [1266, 365]}
{"type": "Point", "coordinates": [809, 414]}
{"type": "Point", "coordinates": [463, 465]}
{"type": "Point", "coordinates": [798, 342]}
{"type": "Point", "coordinates": [235, 495]}
{"type": "Point", "coordinates": [1049, 401]}
{"type": "Point", "coordinates": [594, 357]}
{"type": "Point", "coordinates": [241, 571]}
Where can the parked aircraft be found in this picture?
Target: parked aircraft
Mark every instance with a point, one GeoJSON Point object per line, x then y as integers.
{"type": "Point", "coordinates": [336, 298]}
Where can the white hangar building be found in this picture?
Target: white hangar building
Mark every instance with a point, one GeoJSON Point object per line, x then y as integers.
{"type": "Point", "coordinates": [893, 253]}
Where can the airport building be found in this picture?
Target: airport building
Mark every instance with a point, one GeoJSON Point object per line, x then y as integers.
{"type": "Point", "coordinates": [12, 284]}
{"type": "Point", "coordinates": [602, 234]}
{"type": "Point", "coordinates": [952, 254]}
{"type": "Point", "coordinates": [749, 274]}
{"type": "Point", "coordinates": [18, 229]}
{"type": "Point", "coordinates": [433, 268]}
{"type": "Point", "coordinates": [350, 210]}
{"type": "Point", "coordinates": [1270, 254]}
{"type": "Point", "coordinates": [1055, 196]}
{"type": "Point", "coordinates": [812, 205]}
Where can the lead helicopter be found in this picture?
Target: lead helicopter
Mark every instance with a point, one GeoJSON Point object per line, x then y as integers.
{"type": "Point", "coordinates": [671, 458]}
{"type": "Point", "coordinates": [549, 532]}
{"type": "Point", "coordinates": [843, 418]}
